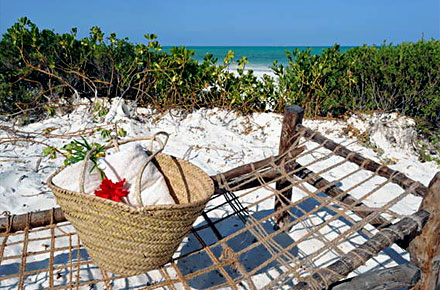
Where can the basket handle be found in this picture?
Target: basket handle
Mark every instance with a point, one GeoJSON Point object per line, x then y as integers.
{"type": "Point", "coordinates": [151, 157]}
{"type": "Point", "coordinates": [141, 171]}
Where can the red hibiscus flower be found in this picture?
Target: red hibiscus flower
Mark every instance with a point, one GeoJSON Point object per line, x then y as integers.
{"type": "Point", "coordinates": [114, 191]}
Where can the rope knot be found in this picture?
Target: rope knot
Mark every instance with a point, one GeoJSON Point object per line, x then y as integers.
{"type": "Point", "coordinates": [230, 257]}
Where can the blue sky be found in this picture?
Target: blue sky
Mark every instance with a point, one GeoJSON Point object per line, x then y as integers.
{"type": "Point", "coordinates": [238, 22]}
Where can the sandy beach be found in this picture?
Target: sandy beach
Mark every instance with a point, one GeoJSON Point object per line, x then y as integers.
{"type": "Point", "coordinates": [215, 140]}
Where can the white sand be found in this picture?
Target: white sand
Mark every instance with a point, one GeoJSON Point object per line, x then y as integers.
{"type": "Point", "coordinates": [214, 140]}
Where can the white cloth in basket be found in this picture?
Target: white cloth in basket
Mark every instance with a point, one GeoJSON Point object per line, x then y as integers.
{"type": "Point", "coordinates": [69, 177]}
{"type": "Point", "coordinates": [127, 164]}
{"type": "Point", "coordinates": [124, 164]}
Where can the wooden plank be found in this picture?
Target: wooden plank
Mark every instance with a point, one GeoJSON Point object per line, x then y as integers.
{"type": "Point", "coordinates": [293, 116]}
{"type": "Point", "coordinates": [425, 249]}
{"type": "Point", "coordinates": [406, 275]}
{"type": "Point", "coordinates": [370, 165]}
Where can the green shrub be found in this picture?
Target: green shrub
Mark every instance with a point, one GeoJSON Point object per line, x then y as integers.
{"type": "Point", "coordinates": [403, 78]}
{"type": "Point", "coordinates": [40, 68]}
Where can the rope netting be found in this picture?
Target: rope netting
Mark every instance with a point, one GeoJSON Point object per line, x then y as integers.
{"type": "Point", "coordinates": [335, 206]}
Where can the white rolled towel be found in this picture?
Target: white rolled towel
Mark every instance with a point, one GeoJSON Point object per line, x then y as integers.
{"type": "Point", "coordinates": [126, 164]}
{"type": "Point", "coordinates": [117, 166]}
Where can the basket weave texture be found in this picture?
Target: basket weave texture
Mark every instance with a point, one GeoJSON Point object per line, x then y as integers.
{"type": "Point", "coordinates": [130, 240]}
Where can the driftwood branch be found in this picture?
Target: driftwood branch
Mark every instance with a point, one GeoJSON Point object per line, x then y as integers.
{"type": "Point", "coordinates": [425, 249]}
{"type": "Point", "coordinates": [324, 277]}
{"type": "Point", "coordinates": [406, 275]}
{"type": "Point", "coordinates": [396, 177]}
{"type": "Point", "coordinates": [293, 116]}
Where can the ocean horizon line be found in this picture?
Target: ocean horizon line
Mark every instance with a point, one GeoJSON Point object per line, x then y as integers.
{"type": "Point", "coordinates": [257, 56]}
{"type": "Point", "coordinates": [262, 46]}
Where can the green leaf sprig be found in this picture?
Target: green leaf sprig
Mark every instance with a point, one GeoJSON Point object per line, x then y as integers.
{"type": "Point", "coordinates": [77, 150]}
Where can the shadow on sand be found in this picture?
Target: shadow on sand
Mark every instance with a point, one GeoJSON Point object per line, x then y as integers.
{"type": "Point", "coordinates": [258, 255]}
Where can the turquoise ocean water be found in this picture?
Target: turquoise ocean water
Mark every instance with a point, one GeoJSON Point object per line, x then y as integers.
{"type": "Point", "coordinates": [260, 57]}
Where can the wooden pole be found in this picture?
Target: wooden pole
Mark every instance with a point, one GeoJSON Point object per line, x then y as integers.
{"type": "Point", "coordinates": [347, 263]}
{"type": "Point", "coordinates": [293, 116]}
{"type": "Point", "coordinates": [406, 275]}
{"type": "Point", "coordinates": [14, 223]}
{"type": "Point", "coordinates": [258, 165]}
{"type": "Point", "coordinates": [425, 249]}
{"type": "Point", "coordinates": [396, 177]}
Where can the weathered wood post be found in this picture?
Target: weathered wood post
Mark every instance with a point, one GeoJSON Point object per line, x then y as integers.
{"type": "Point", "coordinates": [293, 116]}
{"type": "Point", "coordinates": [425, 249]}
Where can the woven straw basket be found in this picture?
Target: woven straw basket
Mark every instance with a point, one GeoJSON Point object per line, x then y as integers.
{"type": "Point", "coordinates": [130, 240]}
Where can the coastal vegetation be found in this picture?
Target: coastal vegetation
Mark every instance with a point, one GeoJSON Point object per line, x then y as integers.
{"type": "Point", "coordinates": [41, 70]}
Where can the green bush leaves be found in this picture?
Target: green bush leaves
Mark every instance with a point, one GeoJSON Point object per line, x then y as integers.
{"type": "Point", "coordinates": [403, 78]}
{"type": "Point", "coordinates": [40, 69]}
